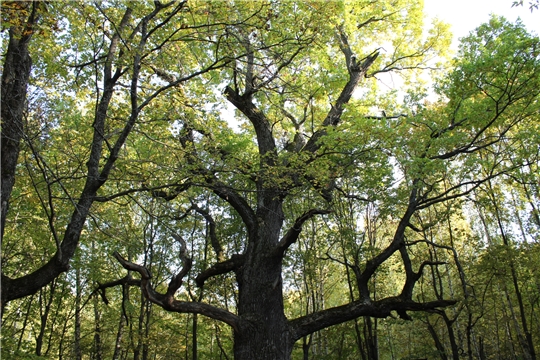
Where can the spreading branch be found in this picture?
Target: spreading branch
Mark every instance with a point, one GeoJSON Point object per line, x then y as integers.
{"type": "Point", "coordinates": [260, 123]}
{"type": "Point", "coordinates": [311, 323]}
{"type": "Point", "coordinates": [59, 262]}
{"type": "Point", "coordinates": [167, 301]}
{"type": "Point", "coordinates": [357, 70]}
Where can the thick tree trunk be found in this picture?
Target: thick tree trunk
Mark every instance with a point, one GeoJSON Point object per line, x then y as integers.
{"type": "Point", "coordinates": [266, 332]}
{"type": "Point", "coordinates": [261, 303]}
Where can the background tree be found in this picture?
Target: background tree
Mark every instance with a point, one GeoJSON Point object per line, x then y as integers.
{"type": "Point", "coordinates": [104, 63]}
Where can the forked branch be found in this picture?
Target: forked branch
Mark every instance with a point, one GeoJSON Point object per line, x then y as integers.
{"type": "Point", "coordinates": [167, 301]}
{"type": "Point", "coordinates": [292, 235]}
{"type": "Point", "coordinates": [236, 261]}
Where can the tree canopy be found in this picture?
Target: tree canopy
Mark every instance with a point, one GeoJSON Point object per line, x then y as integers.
{"type": "Point", "coordinates": [248, 162]}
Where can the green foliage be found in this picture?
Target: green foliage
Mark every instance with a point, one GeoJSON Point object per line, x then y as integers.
{"type": "Point", "coordinates": [472, 236]}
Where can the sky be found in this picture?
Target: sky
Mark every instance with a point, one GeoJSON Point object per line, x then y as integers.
{"type": "Point", "coordinates": [465, 15]}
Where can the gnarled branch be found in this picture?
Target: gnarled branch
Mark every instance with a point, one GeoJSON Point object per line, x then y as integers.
{"type": "Point", "coordinates": [292, 235]}
{"type": "Point", "coordinates": [236, 261]}
{"type": "Point", "coordinates": [167, 301]}
{"type": "Point", "coordinates": [308, 324]}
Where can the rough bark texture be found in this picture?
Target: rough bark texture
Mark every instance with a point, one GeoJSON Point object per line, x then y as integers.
{"type": "Point", "coordinates": [15, 75]}
{"type": "Point", "coordinates": [264, 333]}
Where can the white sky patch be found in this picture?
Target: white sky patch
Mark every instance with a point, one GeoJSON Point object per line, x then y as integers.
{"type": "Point", "coordinates": [466, 15]}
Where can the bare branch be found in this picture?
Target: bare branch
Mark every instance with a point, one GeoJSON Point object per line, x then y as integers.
{"type": "Point", "coordinates": [168, 302]}
{"type": "Point", "coordinates": [292, 235]}
{"type": "Point", "coordinates": [220, 268]}
{"type": "Point", "coordinates": [311, 323]}
{"type": "Point", "coordinates": [102, 288]}
{"type": "Point", "coordinates": [156, 191]}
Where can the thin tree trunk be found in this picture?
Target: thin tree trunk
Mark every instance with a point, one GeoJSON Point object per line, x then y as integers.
{"type": "Point", "coordinates": [451, 336]}
{"type": "Point", "coordinates": [306, 345]}
{"type": "Point", "coordinates": [194, 352]}
{"type": "Point", "coordinates": [371, 339]}
{"type": "Point", "coordinates": [148, 317]}
{"type": "Point", "coordinates": [44, 316]}
{"type": "Point", "coordinates": [438, 344]}
{"type": "Point", "coordinates": [527, 343]}
{"type": "Point", "coordinates": [25, 322]}
{"type": "Point", "coordinates": [78, 295]}
{"type": "Point", "coordinates": [98, 347]}
{"type": "Point", "coordinates": [121, 326]}
{"type": "Point", "coordinates": [62, 338]}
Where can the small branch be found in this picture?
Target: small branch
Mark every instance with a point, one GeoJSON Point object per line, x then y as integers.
{"type": "Point", "coordinates": [352, 196]}
{"type": "Point", "coordinates": [156, 192]}
{"type": "Point", "coordinates": [102, 288]}
{"type": "Point", "coordinates": [220, 268]}
{"type": "Point", "coordinates": [455, 191]}
{"type": "Point", "coordinates": [145, 274]}
{"type": "Point", "coordinates": [212, 227]}
{"type": "Point", "coordinates": [177, 279]}
{"type": "Point", "coordinates": [430, 263]}
{"type": "Point", "coordinates": [386, 116]}
{"type": "Point", "coordinates": [292, 235]}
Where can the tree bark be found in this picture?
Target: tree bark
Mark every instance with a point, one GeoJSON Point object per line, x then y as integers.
{"type": "Point", "coordinates": [526, 341]}
{"type": "Point", "coordinates": [265, 332]}
{"type": "Point", "coordinates": [77, 334]}
{"type": "Point", "coordinates": [15, 75]}
{"type": "Point", "coordinates": [45, 308]}
{"type": "Point", "coordinates": [438, 344]}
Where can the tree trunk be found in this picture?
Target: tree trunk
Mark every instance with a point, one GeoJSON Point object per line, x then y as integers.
{"type": "Point", "coordinates": [451, 335]}
{"type": "Point", "coordinates": [260, 303]}
{"type": "Point", "coordinates": [526, 340]}
{"type": "Point", "coordinates": [438, 344]}
{"type": "Point", "coordinates": [15, 75]}
{"type": "Point", "coordinates": [25, 322]}
{"type": "Point", "coordinates": [98, 348]}
{"type": "Point", "coordinates": [78, 294]}
{"type": "Point", "coordinates": [121, 326]}
{"type": "Point", "coordinates": [370, 333]}
{"type": "Point", "coordinates": [44, 316]}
